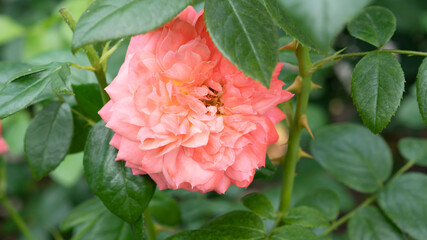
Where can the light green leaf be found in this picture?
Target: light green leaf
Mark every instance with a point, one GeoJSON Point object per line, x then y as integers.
{"type": "Point", "coordinates": [306, 217]}
{"type": "Point", "coordinates": [123, 193]}
{"type": "Point", "coordinates": [353, 155]}
{"type": "Point", "coordinates": [414, 149]}
{"type": "Point", "coordinates": [375, 25]}
{"type": "Point", "coordinates": [245, 34]}
{"type": "Point", "coordinates": [325, 201]}
{"type": "Point", "coordinates": [165, 209]}
{"type": "Point", "coordinates": [259, 204]}
{"type": "Point", "coordinates": [404, 201]}
{"type": "Point", "coordinates": [315, 23]}
{"type": "Point", "coordinates": [377, 87]}
{"type": "Point", "coordinates": [292, 233]}
{"type": "Point", "coordinates": [32, 85]}
{"type": "Point", "coordinates": [9, 29]}
{"type": "Point", "coordinates": [422, 89]}
{"type": "Point", "coordinates": [369, 224]}
{"type": "Point", "coordinates": [48, 138]}
{"type": "Point", "coordinates": [110, 19]}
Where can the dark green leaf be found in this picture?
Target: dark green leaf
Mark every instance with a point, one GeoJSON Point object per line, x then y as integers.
{"type": "Point", "coordinates": [109, 227]}
{"type": "Point", "coordinates": [292, 233]}
{"type": "Point", "coordinates": [164, 209]}
{"type": "Point", "coordinates": [259, 204]}
{"type": "Point", "coordinates": [110, 19]}
{"type": "Point", "coordinates": [374, 25]}
{"type": "Point", "coordinates": [377, 87]}
{"type": "Point", "coordinates": [369, 224]}
{"type": "Point", "coordinates": [245, 34]}
{"type": "Point", "coordinates": [422, 89]}
{"type": "Point", "coordinates": [123, 193]}
{"type": "Point", "coordinates": [27, 87]}
{"type": "Point", "coordinates": [306, 217]}
{"type": "Point", "coordinates": [353, 155]}
{"type": "Point", "coordinates": [89, 100]}
{"type": "Point", "coordinates": [203, 234]}
{"type": "Point", "coordinates": [81, 131]}
{"type": "Point", "coordinates": [325, 201]}
{"type": "Point", "coordinates": [48, 138]}
{"type": "Point", "coordinates": [315, 23]}
{"type": "Point", "coordinates": [404, 201]}
{"type": "Point", "coordinates": [414, 149]}
{"type": "Point", "coordinates": [84, 213]}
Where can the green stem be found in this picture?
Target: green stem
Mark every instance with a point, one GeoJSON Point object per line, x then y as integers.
{"type": "Point", "coordinates": [91, 54]}
{"type": "Point", "coordinates": [8, 205]}
{"type": "Point", "coordinates": [292, 155]}
{"type": "Point", "coordinates": [89, 121]}
{"type": "Point", "coordinates": [346, 217]}
{"type": "Point", "coordinates": [149, 225]}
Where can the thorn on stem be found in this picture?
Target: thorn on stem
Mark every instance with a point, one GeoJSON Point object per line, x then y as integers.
{"type": "Point", "coordinates": [303, 123]}
{"type": "Point", "coordinates": [296, 86]}
{"type": "Point", "coordinates": [301, 154]}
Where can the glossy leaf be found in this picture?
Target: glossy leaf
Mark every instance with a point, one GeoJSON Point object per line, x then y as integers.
{"type": "Point", "coordinates": [27, 87]}
{"type": "Point", "coordinates": [259, 204]}
{"type": "Point", "coordinates": [404, 201]}
{"type": "Point", "coordinates": [292, 233]}
{"type": "Point", "coordinates": [375, 25]}
{"type": "Point", "coordinates": [325, 201]}
{"type": "Point", "coordinates": [314, 23]}
{"type": "Point", "coordinates": [369, 224]}
{"type": "Point", "coordinates": [10, 69]}
{"type": "Point", "coordinates": [245, 34]}
{"type": "Point", "coordinates": [377, 87]}
{"type": "Point", "coordinates": [48, 138]}
{"type": "Point", "coordinates": [306, 217]}
{"type": "Point", "coordinates": [353, 155]}
{"type": "Point", "coordinates": [89, 100]}
{"type": "Point", "coordinates": [123, 193]}
{"type": "Point", "coordinates": [164, 209]}
{"type": "Point", "coordinates": [422, 90]}
{"type": "Point", "coordinates": [414, 149]}
{"type": "Point", "coordinates": [110, 19]}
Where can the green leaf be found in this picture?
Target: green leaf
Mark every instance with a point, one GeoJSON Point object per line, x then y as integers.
{"type": "Point", "coordinates": [10, 69]}
{"type": "Point", "coordinates": [306, 217]}
{"type": "Point", "coordinates": [81, 131]}
{"type": "Point", "coordinates": [83, 213]}
{"type": "Point", "coordinates": [245, 34]}
{"type": "Point", "coordinates": [110, 19]}
{"type": "Point", "coordinates": [69, 171]}
{"type": "Point", "coordinates": [369, 224]}
{"type": "Point", "coordinates": [353, 155]}
{"type": "Point", "coordinates": [48, 138]}
{"type": "Point", "coordinates": [205, 234]}
{"type": "Point", "coordinates": [27, 87]}
{"type": "Point", "coordinates": [377, 87]}
{"type": "Point", "coordinates": [292, 233]}
{"type": "Point", "coordinates": [422, 89]}
{"type": "Point", "coordinates": [165, 209]}
{"type": "Point", "coordinates": [414, 149]}
{"type": "Point", "coordinates": [259, 204]}
{"type": "Point", "coordinates": [325, 201]}
{"type": "Point", "coordinates": [266, 172]}
{"type": "Point", "coordinates": [89, 100]}
{"type": "Point", "coordinates": [123, 193]}
{"type": "Point", "coordinates": [375, 25]}
{"type": "Point", "coordinates": [9, 29]}
{"type": "Point", "coordinates": [314, 23]}
{"type": "Point", "coordinates": [404, 201]}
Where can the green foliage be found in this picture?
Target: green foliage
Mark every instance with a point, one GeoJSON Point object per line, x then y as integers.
{"type": "Point", "coordinates": [89, 100]}
{"type": "Point", "coordinates": [324, 200]}
{"type": "Point", "coordinates": [422, 90]}
{"type": "Point", "coordinates": [377, 87]}
{"type": "Point", "coordinates": [414, 149]}
{"type": "Point", "coordinates": [10, 29]}
{"type": "Point", "coordinates": [315, 23]}
{"type": "Point", "coordinates": [375, 25]}
{"type": "Point", "coordinates": [33, 85]}
{"type": "Point", "coordinates": [69, 172]}
{"type": "Point", "coordinates": [123, 193]}
{"type": "Point", "coordinates": [234, 23]}
{"type": "Point", "coordinates": [369, 224]}
{"type": "Point", "coordinates": [353, 155]}
{"type": "Point", "coordinates": [48, 138]}
{"type": "Point", "coordinates": [109, 19]}
{"type": "Point", "coordinates": [404, 201]}
{"type": "Point", "coordinates": [164, 209]}
{"type": "Point", "coordinates": [292, 233]}
{"type": "Point", "coordinates": [306, 217]}
{"type": "Point", "coordinates": [259, 204]}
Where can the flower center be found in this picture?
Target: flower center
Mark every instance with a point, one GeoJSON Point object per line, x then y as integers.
{"type": "Point", "coordinates": [213, 98]}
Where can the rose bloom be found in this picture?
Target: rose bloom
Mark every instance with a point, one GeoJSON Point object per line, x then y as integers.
{"type": "Point", "coordinates": [186, 116]}
{"type": "Point", "coordinates": [3, 145]}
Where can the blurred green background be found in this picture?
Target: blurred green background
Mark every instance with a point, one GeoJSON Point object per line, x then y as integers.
{"type": "Point", "coordinates": [32, 31]}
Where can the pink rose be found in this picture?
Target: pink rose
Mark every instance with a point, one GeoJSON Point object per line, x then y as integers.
{"type": "Point", "coordinates": [185, 115]}
{"type": "Point", "coordinates": [3, 144]}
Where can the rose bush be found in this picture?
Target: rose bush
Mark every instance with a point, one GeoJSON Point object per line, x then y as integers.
{"type": "Point", "coordinates": [185, 115]}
